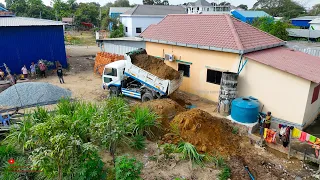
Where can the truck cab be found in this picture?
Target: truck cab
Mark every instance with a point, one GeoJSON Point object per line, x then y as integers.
{"type": "Point", "coordinates": [113, 75]}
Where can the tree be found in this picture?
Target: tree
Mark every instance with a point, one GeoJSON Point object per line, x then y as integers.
{"type": "Point", "coordinates": [243, 6]}
{"type": "Point", "coordinates": [224, 3]}
{"type": "Point", "coordinates": [19, 7]}
{"type": "Point", "coordinates": [280, 8]}
{"type": "Point", "coordinates": [87, 12]}
{"type": "Point", "coordinates": [268, 25]}
{"type": "Point", "coordinates": [148, 2]}
{"type": "Point", "coordinates": [121, 3]}
{"type": "Point", "coordinates": [8, 3]}
{"type": "Point", "coordinates": [315, 10]}
{"type": "Point", "coordinates": [157, 2]}
{"type": "Point", "coordinates": [61, 9]}
{"type": "Point", "coordinates": [2, 5]}
{"type": "Point", "coordinates": [165, 2]}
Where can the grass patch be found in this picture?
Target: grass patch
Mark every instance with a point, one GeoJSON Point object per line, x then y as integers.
{"type": "Point", "coordinates": [189, 152]}
{"type": "Point", "coordinates": [225, 173]}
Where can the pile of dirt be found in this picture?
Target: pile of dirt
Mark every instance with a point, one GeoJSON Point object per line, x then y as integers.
{"type": "Point", "coordinates": [207, 133]}
{"type": "Point", "coordinates": [167, 109]}
{"type": "Point", "coordinates": [181, 98]}
{"type": "Point", "coordinates": [155, 66]}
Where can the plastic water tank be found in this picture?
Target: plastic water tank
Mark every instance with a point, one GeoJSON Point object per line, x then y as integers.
{"type": "Point", "coordinates": [245, 109]}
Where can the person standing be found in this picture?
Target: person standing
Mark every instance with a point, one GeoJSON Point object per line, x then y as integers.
{"type": "Point", "coordinates": [43, 69]}
{"type": "Point", "coordinates": [267, 121]}
{"type": "Point", "coordinates": [24, 71]}
{"type": "Point", "coordinates": [60, 74]}
{"type": "Point", "coordinates": [33, 69]}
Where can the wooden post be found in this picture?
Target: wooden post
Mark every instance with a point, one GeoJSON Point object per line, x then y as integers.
{"type": "Point", "coordinates": [289, 148]}
{"type": "Point", "coordinates": [318, 162]}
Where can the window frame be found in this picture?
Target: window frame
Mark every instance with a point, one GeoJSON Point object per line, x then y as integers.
{"type": "Point", "coordinates": [215, 72]}
{"type": "Point", "coordinates": [315, 94]}
{"type": "Point", "coordinates": [126, 29]}
{"type": "Point", "coordinates": [138, 28]}
{"type": "Point", "coordinates": [185, 65]}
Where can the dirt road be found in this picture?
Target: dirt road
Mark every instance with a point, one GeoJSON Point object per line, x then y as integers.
{"type": "Point", "coordinates": [80, 79]}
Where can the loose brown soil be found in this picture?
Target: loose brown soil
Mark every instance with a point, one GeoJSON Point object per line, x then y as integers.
{"type": "Point", "coordinates": [180, 98]}
{"type": "Point", "coordinates": [155, 66]}
{"type": "Point", "coordinates": [167, 109]}
{"type": "Point", "coordinates": [207, 133]}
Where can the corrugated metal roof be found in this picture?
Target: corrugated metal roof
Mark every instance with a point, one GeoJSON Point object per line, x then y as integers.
{"type": "Point", "coordinates": [315, 21]}
{"type": "Point", "coordinates": [3, 9]}
{"type": "Point", "coordinates": [305, 18]}
{"type": "Point", "coordinates": [23, 21]}
{"type": "Point", "coordinates": [252, 13]}
{"type": "Point", "coordinates": [294, 62]}
{"type": "Point", "coordinates": [118, 9]}
{"type": "Point", "coordinates": [155, 10]}
{"type": "Point", "coordinates": [216, 32]}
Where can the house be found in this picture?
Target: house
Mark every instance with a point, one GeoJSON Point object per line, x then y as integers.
{"type": "Point", "coordinates": [204, 7]}
{"type": "Point", "coordinates": [115, 12]}
{"type": "Point", "coordinates": [140, 17]}
{"type": "Point", "coordinates": [286, 82]}
{"type": "Point", "coordinates": [5, 13]}
{"type": "Point", "coordinates": [68, 21]}
{"type": "Point", "coordinates": [303, 22]}
{"type": "Point", "coordinates": [315, 24]}
{"type": "Point", "coordinates": [26, 40]}
{"type": "Point", "coordinates": [249, 16]}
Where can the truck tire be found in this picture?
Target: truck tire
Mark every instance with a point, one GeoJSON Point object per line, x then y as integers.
{"type": "Point", "coordinates": [113, 91]}
{"type": "Point", "coordinates": [147, 97]}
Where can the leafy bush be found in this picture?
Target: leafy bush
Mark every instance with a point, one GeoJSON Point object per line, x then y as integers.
{"type": "Point", "coordinates": [117, 31]}
{"type": "Point", "coordinates": [168, 149]}
{"type": "Point", "coordinates": [40, 115]}
{"type": "Point", "coordinates": [225, 173]}
{"type": "Point", "coordinates": [189, 152]}
{"type": "Point", "coordinates": [128, 168]}
{"type": "Point", "coordinates": [138, 142]}
{"type": "Point", "coordinates": [144, 120]}
{"type": "Point", "coordinates": [66, 107]}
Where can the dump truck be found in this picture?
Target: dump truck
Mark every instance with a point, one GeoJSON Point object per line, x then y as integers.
{"type": "Point", "coordinates": [123, 77]}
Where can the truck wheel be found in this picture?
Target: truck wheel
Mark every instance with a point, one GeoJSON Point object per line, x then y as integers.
{"type": "Point", "coordinates": [146, 97]}
{"type": "Point", "coordinates": [114, 92]}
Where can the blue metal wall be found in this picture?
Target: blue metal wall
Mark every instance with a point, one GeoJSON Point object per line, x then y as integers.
{"type": "Point", "coordinates": [301, 23]}
{"type": "Point", "coordinates": [22, 45]}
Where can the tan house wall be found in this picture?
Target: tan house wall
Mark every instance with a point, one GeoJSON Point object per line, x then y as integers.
{"type": "Point", "coordinates": [284, 94]}
{"type": "Point", "coordinates": [312, 110]}
{"type": "Point", "coordinates": [196, 83]}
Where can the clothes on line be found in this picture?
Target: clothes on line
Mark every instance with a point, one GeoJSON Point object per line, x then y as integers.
{"type": "Point", "coordinates": [296, 133]}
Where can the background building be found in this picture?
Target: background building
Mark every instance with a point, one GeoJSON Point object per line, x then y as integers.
{"type": "Point", "coordinates": [115, 12]}
{"type": "Point", "coordinates": [204, 7]}
{"type": "Point", "coordinates": [249, 16]}
{"type": "Point", "coordinates": [26, 40]}
{"type": "Point", "coordinates": [137, 19]}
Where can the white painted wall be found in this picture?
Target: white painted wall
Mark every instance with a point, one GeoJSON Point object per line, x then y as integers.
{"type": "Point", "coordinates": [133, 22]}
{"type": "Point", "coordinates": [312, 110]}
{"type": "Point", "coordinates": [316, 26]}
{"type": "Point", "coordinates": [282, 93]}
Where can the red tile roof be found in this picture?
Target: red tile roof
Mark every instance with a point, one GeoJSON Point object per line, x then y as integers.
{"type": "Point", "coordinates": [215, 31]}
{"type": "Point", "coordinates": [295, 62]}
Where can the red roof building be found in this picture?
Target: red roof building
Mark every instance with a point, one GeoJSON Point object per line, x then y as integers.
{"type": "Point", "coordinates": [285, 82]}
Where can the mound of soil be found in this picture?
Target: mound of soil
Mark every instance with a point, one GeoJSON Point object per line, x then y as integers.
{"type": "Point", "coordinates": [207, 133]}
{"type": "Point", "coordinates": [155, 66]}
{"type": "Point", "coordinates": [180, 98]}
{"type": "Point", "coordinates": [167, 109]}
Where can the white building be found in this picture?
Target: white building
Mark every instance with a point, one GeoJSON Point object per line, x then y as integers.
{"type": "Point", "coordinates": [315, 24]}
{"type": "Point", "coordinates": [137, 19]}
{"type": "Point", "coordinates": [204, 7]}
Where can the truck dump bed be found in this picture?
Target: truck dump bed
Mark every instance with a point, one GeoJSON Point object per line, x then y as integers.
{"type": "Point", "coordinates": [164, 86]}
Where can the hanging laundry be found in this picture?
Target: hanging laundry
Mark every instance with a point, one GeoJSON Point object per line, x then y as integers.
{"type": "Point", "coordinates": [303, 136]}
{"type": "Point", "coordinates": [296, 133]}
{"type": "Point", "coordinates": [286, 137]}
{"type": "Point", "coordinates": [265, 133]}
{"type": "Point", "coordinates": [270, 136]}
{"type": "Point", "coordinates": [312, 139]}
{"type": "Point", "coordinates": [307, 137]}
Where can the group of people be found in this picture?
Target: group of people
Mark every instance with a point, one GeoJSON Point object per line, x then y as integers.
{"type": "Point", "coordinates": [33, 71]}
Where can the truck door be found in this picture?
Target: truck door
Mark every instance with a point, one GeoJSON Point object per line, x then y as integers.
{"type": "Point", "coordinates": [111, 77]}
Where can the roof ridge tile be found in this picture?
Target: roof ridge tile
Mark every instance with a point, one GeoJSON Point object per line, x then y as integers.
{"type": "Point", "coordinates": [234, 32]}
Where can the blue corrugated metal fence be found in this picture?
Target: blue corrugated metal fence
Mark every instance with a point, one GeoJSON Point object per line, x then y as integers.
{"type": "Point", "coordinates": [22, 45]}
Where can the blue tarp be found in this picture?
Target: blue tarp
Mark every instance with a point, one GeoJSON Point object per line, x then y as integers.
{"type": "Point", "coordinates": [249, 16]}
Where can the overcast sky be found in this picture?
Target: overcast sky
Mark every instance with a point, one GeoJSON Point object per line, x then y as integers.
{"type": "Point", "coordinates": [305, 3]}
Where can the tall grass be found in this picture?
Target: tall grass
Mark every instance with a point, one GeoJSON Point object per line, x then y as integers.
{"type": "Point", "coordinates": [66, 107]}
{"type": "Point", "coordinates": [190, 152]}
{"type": "Point", "coordinates": [144, 120]}
{"type": "Point", "coordinates": [40, 115]}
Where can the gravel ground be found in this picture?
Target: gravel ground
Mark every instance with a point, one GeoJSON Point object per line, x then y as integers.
{"type": "Point", "coordinates": [31, 93]}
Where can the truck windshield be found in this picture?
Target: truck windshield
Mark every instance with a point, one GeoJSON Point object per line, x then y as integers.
{"type": "Point", "coordinates": [110, 71]}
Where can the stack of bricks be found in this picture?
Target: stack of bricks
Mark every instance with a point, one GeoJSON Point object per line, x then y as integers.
{"type": "Point", "coordinates": [104, 58]}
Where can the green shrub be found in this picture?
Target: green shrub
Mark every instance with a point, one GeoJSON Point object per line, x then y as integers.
{"type": "Point", "coordinates": [168, 149]}
{"type": "Point", "coordinates": [40, 115]}
{"type": "Point", "coordinates": [66, 107]}
{"type": "Point", "coordinates": [225, 173]}
{"type": "Point", "coordinates": [189, 152]}
{"type": "Point", "coordinates": [235, 130]}
{"type": "Point", "coordinates": [128, 168]}
{"type": "Point", "coordinates": [144, 120]}
{"type": "Point", "coordinates": [138, 142]}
